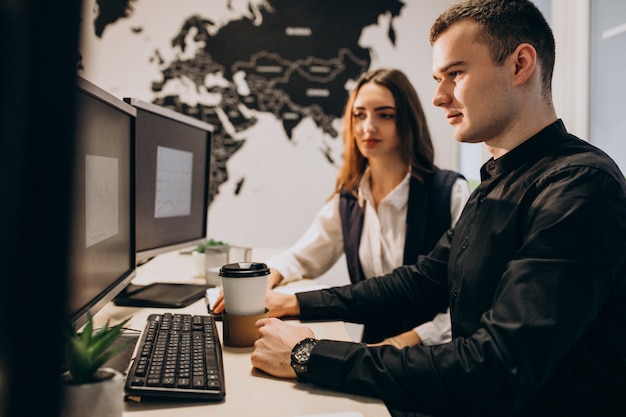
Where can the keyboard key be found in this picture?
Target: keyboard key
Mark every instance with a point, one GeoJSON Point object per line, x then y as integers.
{"type": "Point", "coordinates": [197, 381]}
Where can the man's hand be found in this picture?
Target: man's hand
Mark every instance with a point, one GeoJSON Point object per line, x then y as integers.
{"type": "Point", "coordinates": [272, 350]}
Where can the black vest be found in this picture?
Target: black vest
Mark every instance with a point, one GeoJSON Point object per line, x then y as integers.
{"type": "Point", "coordinates": [428, 217]}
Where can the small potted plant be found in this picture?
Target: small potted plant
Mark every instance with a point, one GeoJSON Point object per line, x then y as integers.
{"type": "Point", "coordinates": [212, 244]}
{"type": "Point", "coordinates": [88, 387]}
{"type": "Point", "coordinates": [210, 256]}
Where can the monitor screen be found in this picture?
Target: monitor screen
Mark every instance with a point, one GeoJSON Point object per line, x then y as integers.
{"type": "Point", "coordinates": [172, 171]}
{"type": "Point", "coordinates": [102, 255]}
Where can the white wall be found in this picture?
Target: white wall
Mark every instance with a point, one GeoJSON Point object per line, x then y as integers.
{"type": "Point", "coordinates": [607, 83]}
{"type": "Point", "coordinates": [570, 24]}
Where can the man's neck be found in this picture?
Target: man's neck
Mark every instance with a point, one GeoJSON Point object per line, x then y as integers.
{"type": "Point", "coordinates": [520, 132]}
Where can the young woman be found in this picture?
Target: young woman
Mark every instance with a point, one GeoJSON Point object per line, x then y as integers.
{"type": "Point", "coordinates": [390, 203]}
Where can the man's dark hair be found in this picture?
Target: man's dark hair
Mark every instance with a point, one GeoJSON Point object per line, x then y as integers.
{"type": "Point", "coordinates": [505, 25]}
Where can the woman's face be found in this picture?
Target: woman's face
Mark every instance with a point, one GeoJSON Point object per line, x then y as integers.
{"type": "Point", "coordinates": [374, 122]}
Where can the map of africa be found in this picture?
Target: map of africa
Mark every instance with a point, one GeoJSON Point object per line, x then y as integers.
{"type": "Point", "coordinates": [294, 61]}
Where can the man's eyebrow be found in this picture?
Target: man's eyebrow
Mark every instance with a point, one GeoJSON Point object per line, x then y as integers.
{"type": "Point", "coordinates": [450, 65]}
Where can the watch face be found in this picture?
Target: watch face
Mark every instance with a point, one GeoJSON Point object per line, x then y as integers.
{"type": "Point", "coordinates": [302, 352]}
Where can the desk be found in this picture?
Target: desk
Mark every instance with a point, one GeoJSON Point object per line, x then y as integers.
{"type": "Point", "coordinates": [249, 392]}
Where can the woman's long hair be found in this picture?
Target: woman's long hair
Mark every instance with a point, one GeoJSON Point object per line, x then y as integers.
{"type": "Point", "coordinates": [411, 124]}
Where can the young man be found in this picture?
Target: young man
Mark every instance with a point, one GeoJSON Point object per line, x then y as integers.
{"type": "Point", "coordinates": [534, 271]}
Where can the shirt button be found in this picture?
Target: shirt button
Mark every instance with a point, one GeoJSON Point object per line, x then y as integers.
{"type": "Point", "coordinates": [482, 198]}
{"type": "Point", "coordinates": [455, 292]}
{"type": "Point", "coordinates": [465, 245]}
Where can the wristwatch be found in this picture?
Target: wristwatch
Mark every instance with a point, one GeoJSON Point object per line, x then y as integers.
{"type": "Point", "coordinates": [300, 355]}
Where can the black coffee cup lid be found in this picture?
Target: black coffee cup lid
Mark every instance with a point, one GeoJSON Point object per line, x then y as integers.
{"type": "Point", "coordinates": [244, 269]}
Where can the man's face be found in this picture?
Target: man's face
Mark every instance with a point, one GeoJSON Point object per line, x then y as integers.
{"type": "Point", "coordinates": [474, 92]}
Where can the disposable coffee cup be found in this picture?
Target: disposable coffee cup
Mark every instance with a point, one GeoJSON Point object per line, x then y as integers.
{"type": "Point", "coordinates": [244, 285]}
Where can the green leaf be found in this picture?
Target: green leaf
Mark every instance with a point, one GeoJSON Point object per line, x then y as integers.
{"type": "Point", "coordinates": [85, 336]}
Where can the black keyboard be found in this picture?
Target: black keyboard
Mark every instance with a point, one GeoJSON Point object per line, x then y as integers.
{"type": "Point", "coordinates": [178, 356]}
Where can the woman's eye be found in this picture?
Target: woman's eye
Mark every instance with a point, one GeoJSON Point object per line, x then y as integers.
{"type": "Point", "coordinates": [387, 116]}
{"type": "Point", "coordinates": [359, 116]}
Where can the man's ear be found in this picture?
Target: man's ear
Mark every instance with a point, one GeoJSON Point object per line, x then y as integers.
{"type": "Point", "coordinates": [525, 59]}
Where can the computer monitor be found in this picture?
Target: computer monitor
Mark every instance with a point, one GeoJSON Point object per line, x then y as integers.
{"type": "Point", "coordinates": [172, 173]}
{"type": "Point", "coordinates": [102, 253]}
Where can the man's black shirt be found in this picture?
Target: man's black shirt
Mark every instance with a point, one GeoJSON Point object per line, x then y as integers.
{"type": "Point", "coordinates": [535, 276]}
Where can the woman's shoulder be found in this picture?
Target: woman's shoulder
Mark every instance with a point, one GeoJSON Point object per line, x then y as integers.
{"type": "Point", "coordinates": [447, 174]}
{"type": "Point", "coordinates": [441, 178]}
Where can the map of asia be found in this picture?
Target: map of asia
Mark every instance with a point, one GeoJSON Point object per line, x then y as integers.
{"type": "Point", "coordinates": [292, 59]}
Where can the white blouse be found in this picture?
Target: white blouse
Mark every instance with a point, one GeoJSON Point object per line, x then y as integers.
{"type": "Point", "coordinates": [382, 243]}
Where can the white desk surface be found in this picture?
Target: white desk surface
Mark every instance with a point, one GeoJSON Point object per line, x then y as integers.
{"type": "Point", "coordinates": [249, 392]}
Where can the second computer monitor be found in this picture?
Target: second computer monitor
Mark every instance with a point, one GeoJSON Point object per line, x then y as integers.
{"type": "Point", "coordinates": [172, 173]}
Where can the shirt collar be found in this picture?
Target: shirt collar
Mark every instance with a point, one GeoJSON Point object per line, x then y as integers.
{"type": "Point", "coordinates": [524, 152]}
{"type": "Point", "coordinates": [398, 197]}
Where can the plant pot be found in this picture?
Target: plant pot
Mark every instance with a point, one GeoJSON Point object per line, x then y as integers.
{"type": "Point", "coordinates": [199, 260]}
{"type": "Point", "coordinates": [104, 398]}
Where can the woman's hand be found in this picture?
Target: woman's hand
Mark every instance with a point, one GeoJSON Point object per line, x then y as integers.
{"type": "Point", "coordinates": [281, 305]}
{"type": "Point", "coordinates": [406, 339]}
{"type": "Point", "coordinates": [218, 306]}
{"type": "Point", "coordinates": [278, 304]}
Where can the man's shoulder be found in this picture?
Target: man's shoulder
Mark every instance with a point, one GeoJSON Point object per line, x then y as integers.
{"type": "Point", "coordinates": [578, 155]}
{"type": "Point", "coordinates": [577, 163]}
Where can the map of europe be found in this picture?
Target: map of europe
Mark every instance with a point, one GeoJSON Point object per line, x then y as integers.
{"type": "Point", "coordinates": [293, 60]}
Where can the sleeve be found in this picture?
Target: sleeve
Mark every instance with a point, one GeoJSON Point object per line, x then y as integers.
{"type": "Point", "coordinates": [417, 292]}
{"type": "Point", "coordinates": [317, 250]}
